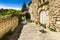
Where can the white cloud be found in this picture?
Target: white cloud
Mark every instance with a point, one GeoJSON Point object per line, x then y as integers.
{"type": "Point", "coordinates": [8, 7]}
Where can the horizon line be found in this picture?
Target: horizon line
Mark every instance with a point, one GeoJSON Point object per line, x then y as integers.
{"type": "Point", "coordinates": [10, 7]}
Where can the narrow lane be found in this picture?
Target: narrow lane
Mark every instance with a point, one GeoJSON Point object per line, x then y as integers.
{"type": "Point", "coordinates": [15, 34]}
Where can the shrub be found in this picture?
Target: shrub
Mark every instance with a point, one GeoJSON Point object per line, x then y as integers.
{"type": "Point", "coordinates": [20, 17]}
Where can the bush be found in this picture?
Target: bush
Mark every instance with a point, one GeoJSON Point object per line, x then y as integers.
{"type": "Point", "coordinates": [6, 13]}
{"type": "Point", "coordinates": [5, 16]}
{"type": "Point", "coordinates": [20, 17]}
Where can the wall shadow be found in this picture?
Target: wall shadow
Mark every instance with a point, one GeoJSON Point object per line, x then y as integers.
{"type": "Point", "coordinates": [15, 34]}
{"type": "Point", "coordinates": [26, 15]}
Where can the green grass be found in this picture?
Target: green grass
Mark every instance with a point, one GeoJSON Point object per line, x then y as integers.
{"type": "Point", "coordinates": [5, 16]}
{"type": "Point", "coordinates": [51, 29]}
{"type": "Point", "coordinates": [37, 22]}
{"type": "Point", "coordinates": [43, 25]}
{"type": "Point", "coordinates": [54, 30]}
{"type": "Point", "coordinates": [29, 20]}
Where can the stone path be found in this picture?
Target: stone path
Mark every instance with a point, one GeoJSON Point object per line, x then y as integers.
{"type": "Point", "coordinates": [31, 31]}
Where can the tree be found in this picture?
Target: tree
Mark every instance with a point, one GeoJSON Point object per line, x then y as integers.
{"type": "Point", "coordinates": [29, 3]}
{"type": "Point", "coordinates": [24, 8]}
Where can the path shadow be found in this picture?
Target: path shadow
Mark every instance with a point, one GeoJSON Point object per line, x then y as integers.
{"type": "Point", "coordinates": [15, 34]}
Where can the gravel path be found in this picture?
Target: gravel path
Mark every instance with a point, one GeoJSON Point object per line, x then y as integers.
{"type": "Point", "coordinates": [33, 32]}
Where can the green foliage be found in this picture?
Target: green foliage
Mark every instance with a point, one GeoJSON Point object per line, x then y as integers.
{"type": "Point", "coordinates": [29, 20]}
{"type": "Point", "coordinates": [6, 13]}
{"type": "Point", "coordinates": [32, 21]}
{"type": "Point", "coordinates": [27, 15]}
{"type": "Point", "coordinates": [29, 3]}
{"type": "Point", "coordinates": [54, 30]}
{"type": "Point", "coordinates": [37, 22]}
{"type": "Point", "coordinates": [20, 17]}
{"type": "Point", "coordinates": [43, 25]}
{"type": "Point", "coordinates": [24, 7]}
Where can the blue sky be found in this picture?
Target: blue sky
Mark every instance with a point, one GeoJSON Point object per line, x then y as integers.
{"type": "Point", "coordinates": [13, 4]}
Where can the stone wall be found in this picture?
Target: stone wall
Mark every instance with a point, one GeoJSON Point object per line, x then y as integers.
{"type": "Point", "coordinates": [52, 8]}
{"type": "Point", "coordinates": [54, 14]}
{"type": "Point", "coordinates": [33, 9]}
{"type": "Point", "coordinates": [8, 24]}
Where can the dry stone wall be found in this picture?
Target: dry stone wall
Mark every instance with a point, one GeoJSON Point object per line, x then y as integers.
{"type": "Point", "coordinates": [8, 24]}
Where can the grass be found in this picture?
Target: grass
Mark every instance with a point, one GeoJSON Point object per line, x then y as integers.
{"type": "Point", "coordinates": [51, 29]}
{"type": "Point", "coordinates": [43, 25]}
{"type": "Point", "coordinates": [29, 20]}
{"type": "Point", "coordinates": [37, 22]}
{"type": "Point", "coordinates": [54, 30]}
{"type": "Point", "coordinates": [4, 16]}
